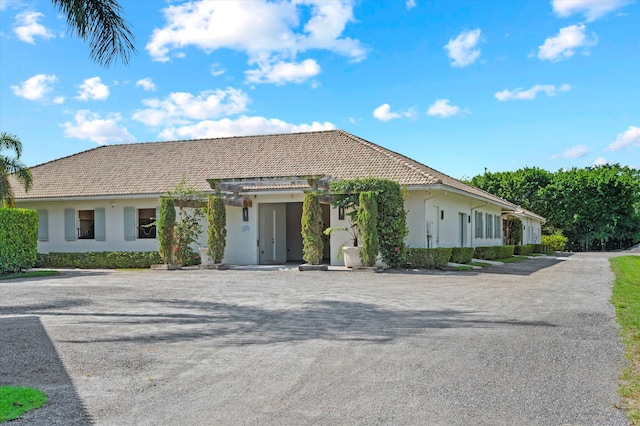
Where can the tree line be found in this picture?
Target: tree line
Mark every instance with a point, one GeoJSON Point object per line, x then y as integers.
{"type": "Point", "coordinates": [596, 208]}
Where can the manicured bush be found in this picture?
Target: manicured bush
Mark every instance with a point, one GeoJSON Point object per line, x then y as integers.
{"type": "Point", "coordinates": [217, 232]}
{"type": "Point", "coordinates": [555, 242]}
{"type": "Point", "coordinates": [493, 252]}
{"type": "Point", "coordinates": [101, 259]}
{"type": "Point", "coordinates": [166, 225]}
{"type": "Point", "coordinates": [392, 223]}
{"type": "Point", "coordinates": [367, 221]}
{"type": "Point", "coordinates": [461, 254]}
{"type": "Point", "coordinates": [312, 244]}
{"type": "Point", "coordinates": [538, 248]}
{"type": "Point", "coordinates": [18, 239]}
{"type": "Point", "coordinates": [423, 258]}
{"type": "Point", "coordinates": [524, 250]}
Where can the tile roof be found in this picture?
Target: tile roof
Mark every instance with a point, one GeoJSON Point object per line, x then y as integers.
{"type": "Point", "coordinates": [153, 168]}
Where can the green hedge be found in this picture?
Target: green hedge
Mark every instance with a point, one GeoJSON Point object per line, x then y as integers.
{"type": "Point", "coordinates": [99, 259]}
{"type": "Point", "coordinates": [461, 254]}
{"type": "Point", "coordinates": [539, 248]}
{"type": "Point", "coordinates": [423, 258]}
{"type": "Point", "coordinates": [494, 252]}
{"type": "Point", "coordinates": [523, 250]}
{"type": "Point", "coordinates": [18, 239]}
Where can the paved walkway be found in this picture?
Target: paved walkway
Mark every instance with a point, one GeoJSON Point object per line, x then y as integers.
{"type": "Point", "coordinates": [531, 343]}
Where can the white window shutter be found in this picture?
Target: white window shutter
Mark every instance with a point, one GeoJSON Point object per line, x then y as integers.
{"type": "Point", "coordinates": [99, 224]}
{"type": "Point", "coordinates": [43, 225]}
{"type": "Point", "coordinates": [129, 223]}
{"type": "Point", "coordinates": [70, 224]}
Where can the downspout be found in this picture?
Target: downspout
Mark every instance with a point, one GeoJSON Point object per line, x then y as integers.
{"type": "Point", "coordinates": [471, 214]}
{"type": "Point", "coordinates": [426, 236]}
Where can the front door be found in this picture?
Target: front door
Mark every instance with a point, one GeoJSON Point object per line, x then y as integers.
{"type": "Point", "coordinates": [273, 233]}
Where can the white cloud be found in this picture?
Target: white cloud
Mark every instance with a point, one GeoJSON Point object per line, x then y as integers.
{"type": "Point", "coordinates": [4, 4]}
{"type": "Point", "coordinates": [147, 84]}
{"type": "Point", "coordinates": [530, 94]}
{"type": "Point", "coordinates": [92, 88]}
{"type": "Point", "coordinates": [35, 87]}
{"type": "Point", "coordinates": [90, 126]}
{"type": "Point", "coordinates": [629, 138]}
{"type": "Point", "coordinates": [573, 152]}
{"type": "Point", "coordinates": [410, 4]}
{"type": "Point", "coordinates": [600, 161]}
{"type": "Point", "coordinates": [564, 45]}
{"type": "Point", "coordinates": [591, 9]}
{"type": "Point", "coordinates": [241, 126]}
{"type": "Point", "coordinates": [442, 109]}
{"type": "Point", "coordinates": [283, 72]}
{"type": "Point", "coordinates": [383, 113]}
{"type": "Point", "coordinates": [463, 49]}
{"type": "Point", "coordinates": [182, 107]}
{"type": "Point", "coordinates": [27, 27]}
{"type": "Point", "coordinates": [58, 100]}
{"type": "Point", "coordinates": [268, 32]}
{"type": "Point", "coordinates": [216, 70]}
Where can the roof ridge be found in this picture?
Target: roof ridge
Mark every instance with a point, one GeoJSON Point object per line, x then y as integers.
{"type": "Point", "coordinates": [402, 159]}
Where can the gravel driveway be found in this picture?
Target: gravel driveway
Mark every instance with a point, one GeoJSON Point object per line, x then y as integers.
{"type": "Point", "coordinates": [533, 343]}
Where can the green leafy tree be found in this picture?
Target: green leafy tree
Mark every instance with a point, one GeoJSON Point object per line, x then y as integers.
{"type": "Point", "coordinates": [312, 245]}
{"type": "Point", "coordinates": [217, 232]}
{"type": "Point", "coordinates": [188, 225]}
{"type": "Point", "coordinates": [12, 165]}
{"type": "Point", "coordinates": [367, 224]}
{"type": "Point", "coordinates": [514, 231]}
{"type": "Point", "coordinates": [99, 22]}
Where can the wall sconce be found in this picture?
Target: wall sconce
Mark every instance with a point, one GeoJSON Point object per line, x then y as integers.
{"type": "Point", "coordinates": [245, 214]}
{"type": "Point", "coordinates": [469, 219]}
{"type": "Point", "coordinates": [442, 214]}
{"type": "Point", "coordinates": [341, 213]}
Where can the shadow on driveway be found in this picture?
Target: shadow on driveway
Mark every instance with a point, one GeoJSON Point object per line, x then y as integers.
{"type": "Point", "coordinates": [28, 358]}
{"type": "Point", "coordinates": [154, 320]}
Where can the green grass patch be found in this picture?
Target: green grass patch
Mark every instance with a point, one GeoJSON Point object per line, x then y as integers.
{"type": "Point", "coordinates": [481, 264]}
{"type": "Point", "coordinates": [462, 268]}
{"type": "Point", "coordinates": [626, 299]}
{"type": "Point", "coordinates": [29, 274]}
{"type": "Point", "coordinates": [512, 259]}
{"type": "Point", "coordinates": [15, 401]}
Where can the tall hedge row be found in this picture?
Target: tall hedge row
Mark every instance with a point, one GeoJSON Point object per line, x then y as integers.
{"type": "Point", "coordinates": [18, 239]}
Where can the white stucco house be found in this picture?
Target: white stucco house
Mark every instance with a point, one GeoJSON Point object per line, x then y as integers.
{"type": "Point", "coordinates": [100, 199]}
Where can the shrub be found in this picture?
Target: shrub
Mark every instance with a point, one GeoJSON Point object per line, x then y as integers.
{"type": "Point", "coordinates": [166, 224]}
{"type": "Point", "coordinates": [493, 252]}
{"type": "Point", "coordinates": [100, 259]}
{"type": "Point", "coordinates": [312, 245]}
{"type": "Point", "coordinates": [19, 239]}
{"type": "Point", "coordinates": [524, 250]}
{"type": "Point", "coordinates": [423, 258]}
{"type": "Point", "coordinates": [392, 224]}
{"type": "Point", "coordinates": [555, 242]}
{"type": "Point", "coordinates": [461, 254]}
{"type": "Point", "coordinates": [367, 221]}
{"type": "Point", "coordinates": [538, 248]}
{"type": "Point", "coordinates": [217, 232]}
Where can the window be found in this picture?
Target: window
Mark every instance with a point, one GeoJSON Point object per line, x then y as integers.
{"type": "Point", "coordinates": [86, 231]}
{"type": "Point", "coordinates": [145, 218]}
{"type": "Point", "coordinates": [479, 225]}
{"type": "Point", "coordinates": [497, 231]}
{"type": "Point", "coordinates": [43, 225]}
{"type": "Point", "coordinates": [489, 232]}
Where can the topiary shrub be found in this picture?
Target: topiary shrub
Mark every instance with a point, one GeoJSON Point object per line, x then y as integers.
{"type": "Point", "coordinates": [166, 225]}
{"type": "Point", "coordinates": [367, 222]}
{"type": "Point", "coordinates": [423, 258]}
{"type": "Point", "coordinates": [217, 232]}
{"type": "Point", "coordinates": [493, 252]}
{"type": "Point", "coordinates": [312, 245]}
{"type": "Point", "coordinates": [18, 239]}
{"type": "Point", "coordinates": [538, 248]}
{"type": "Point", "coordinates": [524, 250]}
{"type": "Point", "coordinates": [392, 223]}
{"type": "Point", "coordinates": [461, 254]}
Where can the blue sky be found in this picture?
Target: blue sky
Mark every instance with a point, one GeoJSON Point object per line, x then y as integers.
{"type": "Point", "coordinates": [458, 85]}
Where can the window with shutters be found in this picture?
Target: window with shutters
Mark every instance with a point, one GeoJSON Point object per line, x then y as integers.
{"type": "Point", "coordinates": [489, 224]}
{"type": "Point", "coordinates": [86, 230]}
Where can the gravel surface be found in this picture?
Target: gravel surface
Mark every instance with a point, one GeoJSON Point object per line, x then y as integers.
{"type": "Point", "coordinates": [530, 343]}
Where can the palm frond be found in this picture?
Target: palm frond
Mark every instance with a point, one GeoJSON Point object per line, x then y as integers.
{"type": "Point", "coordinates": [101, 23]}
